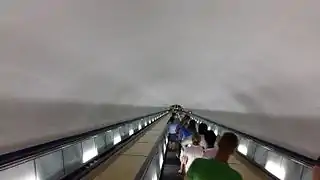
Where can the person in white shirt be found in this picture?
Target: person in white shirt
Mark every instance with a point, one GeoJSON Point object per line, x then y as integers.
{"type": "Point", "coordinates": [211, 151]}
{"type": "Point", "coordinates": [191, 153]}
{"type": "Point", "coordinates": [172, 126]}
{"type": "Point", "coordinates": [202, 129]}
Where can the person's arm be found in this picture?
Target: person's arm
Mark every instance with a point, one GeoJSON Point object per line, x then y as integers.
{"type": "Point", "coordinates": [186, 141]}
{"type": "Point", "coordinates": [181, 156]}
{"type": "Point", "coordinates": [178, 128]}
{"type": "Point", "coordinates": [191, 170]}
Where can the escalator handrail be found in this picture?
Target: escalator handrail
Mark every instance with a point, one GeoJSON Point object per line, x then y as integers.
{"type": "Point", "coordinates": [24, 155]}
{"type": "Point", "coordinates": [89, 166]}
{"type": "Point", "coordinates": [306, 161]}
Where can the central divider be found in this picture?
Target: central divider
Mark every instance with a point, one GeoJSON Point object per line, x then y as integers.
{"type": "Point", "coordinates": [127, 162]}
{"type": "Point", "coordinates": [153, 165]}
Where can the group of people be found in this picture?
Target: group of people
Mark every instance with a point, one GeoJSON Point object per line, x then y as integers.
{"type": "Point", "coordinates": [202, 156]}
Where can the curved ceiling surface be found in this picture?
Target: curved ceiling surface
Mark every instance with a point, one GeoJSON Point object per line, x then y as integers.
{"type": "Point", "coordinates": [246, 56]}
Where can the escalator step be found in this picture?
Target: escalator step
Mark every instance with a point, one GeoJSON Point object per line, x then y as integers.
{"type": "Point", "coordinates": [171, 159]}
{"type": "Point", "coordinates": [170, 172]}
{"type": "Point", "coordinates": [171, 167]}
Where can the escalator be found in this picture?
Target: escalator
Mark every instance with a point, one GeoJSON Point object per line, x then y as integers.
{"type": "Point", "coordinates": [126, 164]}
{"type": "Point", "coordinates": [171, 167]}
{"type": "Point", "coordinates": [255, 159]}
{"type": "Point", "coordinates": [76, 156]}
{"type": "Point", "coordinates": [137, 149]}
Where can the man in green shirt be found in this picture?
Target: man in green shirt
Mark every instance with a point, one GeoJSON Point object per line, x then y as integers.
{"type": "Point", "coordinates": [217, 168]}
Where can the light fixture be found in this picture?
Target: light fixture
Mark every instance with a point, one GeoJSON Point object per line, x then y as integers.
{"type": "Point", "coordinates": [276, 169]}
{"type": "Point", "coordinates": [116, 139]}
{"type": "Point", "coordinates": [216, 132]}
{"type": "Point", "coordinates": [130, 132]}
{"type": "Point", "coordinates": [155, 177]}
{"type": "Point", "coordinates": [89, 154]}
{"type": "Point", "coordinates": [242, 148]}
{"type": "Point", "coordinates": [160, 160]}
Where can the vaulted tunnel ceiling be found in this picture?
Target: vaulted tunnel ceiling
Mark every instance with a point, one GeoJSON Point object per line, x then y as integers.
{"type": "Point", "coordinates": [247, 56]}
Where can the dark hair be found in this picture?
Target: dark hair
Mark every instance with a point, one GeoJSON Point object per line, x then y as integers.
{"type": "Point", "coordinates": [185, 119]}
{"type": "Point", "coordinates": [175, 115]}
{"type": "Point", "coordinates": [228, 142]}
{"type": "Point", "coordinates": [203, 128]}
{"type": "Point", "coordinates": [171, 120]}
{"type": "Point", "coordinates": [210, 138]}
{"type": "Point", "coordinates": [192, 122]}
{"type": "Point", "coordinates": [192, 126]}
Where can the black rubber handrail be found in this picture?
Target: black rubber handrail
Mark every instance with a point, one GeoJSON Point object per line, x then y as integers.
{"type": "Point", "coordinates": [18, 157]}
{"type": "Point", "coordinates": [291, 154]}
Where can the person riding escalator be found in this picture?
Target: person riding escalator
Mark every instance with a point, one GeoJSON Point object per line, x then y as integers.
{"type": "Point", "coordinates": [217, 168]}
{"type": "Point", "coordinates": [203, 129]}
{"type": "Point", "coordinates": [189, 154]}
{"type": "Point", "coordinates": [172, 126]}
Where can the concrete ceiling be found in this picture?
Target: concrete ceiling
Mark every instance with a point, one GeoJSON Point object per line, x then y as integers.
{"type": "Point", "coordinates": [249, 56]}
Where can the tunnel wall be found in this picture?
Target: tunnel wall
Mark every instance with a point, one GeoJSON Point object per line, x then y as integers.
{"type": "Point", "coordinates": [299, 134]}
{"type": "Point", "coordinates": [25, 123]}
{"type": "Point", "coordinates": [245, 56]}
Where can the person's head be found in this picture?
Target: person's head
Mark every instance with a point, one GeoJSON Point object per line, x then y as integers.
{"type": "Point", "coordinates": [185, 120]}
{"type": "Point", "coordinates": [176, 121]}
{"type": "Point", "coordinates": [192, 126]}
{"type": "Point", "coordinates": [210, 138]}
{"type": "Point", "coordinates": [171, 120]}
{"type": "Point", "coordinates": [203, 128]}
{"type": "Point", "coordinates": [318, 161]}
{"type": "Point", "coordinates": [192, 122]}
{"type": "Point", "coordinates": [196, 138]}
{"type": "Point", "coordinates": [174, 115]}
{"type": "Point", "coordinates": [228, 143]}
